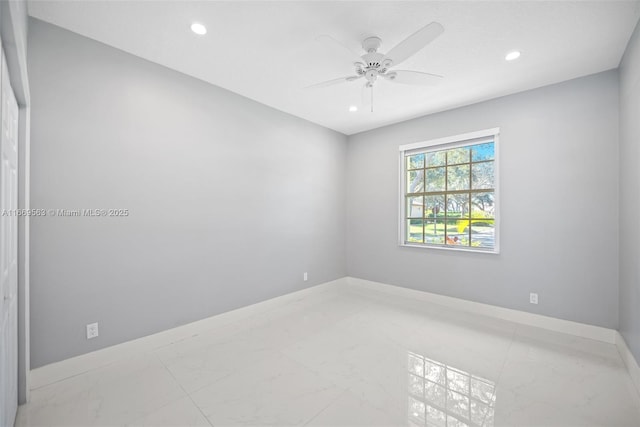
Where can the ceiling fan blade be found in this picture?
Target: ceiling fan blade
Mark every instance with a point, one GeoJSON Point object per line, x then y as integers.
{"type": "Point", "coordinates": [333, 82]}
{"type": "Point", "coordinates": [337, 46]}
{"type": "Point", "coordinates": [416, 41]}
{"type": "Point", "coordinates": [413, 77]}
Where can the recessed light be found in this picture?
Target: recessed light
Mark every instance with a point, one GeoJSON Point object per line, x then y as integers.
{"type": "Point", "coordinates": [199, 29]}
{"type": "Point", "coordinates": [353, 108]}
{"type": "Point", "coordinates": [512, 55]}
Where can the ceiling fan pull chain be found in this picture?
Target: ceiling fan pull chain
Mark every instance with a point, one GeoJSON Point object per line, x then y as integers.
{"type": "Point", "coordinates": [372, 98]}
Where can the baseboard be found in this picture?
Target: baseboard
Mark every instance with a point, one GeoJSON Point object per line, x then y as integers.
{"type": "Point", "coordinates": [76, 365]}
{"type": "Point", "coordinates": [67, 368]}
{"type": "Point", "coordinates": [558, 325]}
{"type": "Point", "coordinates": [629, 360]}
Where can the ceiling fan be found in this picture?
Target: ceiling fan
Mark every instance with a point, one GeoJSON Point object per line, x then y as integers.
{"type": "Point", "coordinates": [373, 64]}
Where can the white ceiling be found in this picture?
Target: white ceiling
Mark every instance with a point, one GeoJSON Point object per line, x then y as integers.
{"type": "Point", "coordinates": [267, 50]}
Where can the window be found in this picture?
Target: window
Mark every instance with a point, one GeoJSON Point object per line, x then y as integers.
{"type": "Point", "coordinates": [449, 192]}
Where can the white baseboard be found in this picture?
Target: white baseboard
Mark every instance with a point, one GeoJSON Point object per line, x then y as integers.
{"type": "Point", "coordinates": [558, 325]}
{"type": "Point", "coordinates": [610, 336]}
{"type": "Point", "coordinates": [76, 365]}
{"type": "Point", "coordinates": [57, 371]}
{"type": "Point", "coordinates": [629, 360]}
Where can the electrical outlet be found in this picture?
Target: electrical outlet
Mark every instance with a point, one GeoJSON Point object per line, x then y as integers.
{"type": "Point", "coordinates": [304, 276]}
{"type": "Point", "coordinates": [92, 330]}
{"type": "Point", "coordinates": [533, 298]}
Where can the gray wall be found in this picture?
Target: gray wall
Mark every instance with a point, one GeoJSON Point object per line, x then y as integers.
{"type": "Point", "coordinates": [630, 194]}
{"type": "Point", "coordinates": [559, 204]}
{"type": "Point", "coordinates": [230, 200]}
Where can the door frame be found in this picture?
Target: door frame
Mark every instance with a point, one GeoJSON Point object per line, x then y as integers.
{"type": "Point", "coordinates": [13, 33]}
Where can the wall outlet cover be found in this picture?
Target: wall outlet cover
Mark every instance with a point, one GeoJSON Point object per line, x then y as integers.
{"type": "Point", "coordinates": [92, 330]}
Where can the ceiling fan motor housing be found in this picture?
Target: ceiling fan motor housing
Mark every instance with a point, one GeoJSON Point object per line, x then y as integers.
{"type": "Point", "coordinates": [375, 63]}
{"type": "Point", "coordinates": [374, 59]}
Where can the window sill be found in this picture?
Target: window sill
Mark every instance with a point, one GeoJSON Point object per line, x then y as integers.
{"type": "Point", "coordinates": [494, 251]}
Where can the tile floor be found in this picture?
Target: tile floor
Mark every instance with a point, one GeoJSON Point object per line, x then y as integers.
{"type": "Point", "coordinates": [342, 357]}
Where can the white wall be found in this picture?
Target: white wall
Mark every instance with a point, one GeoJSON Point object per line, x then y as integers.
{"type": "Point", "coordinates": [630, 194]}
{"type": "Point", "coordinates": [559, 204]}
{"type": "Point", "coordinates": [230, 200]}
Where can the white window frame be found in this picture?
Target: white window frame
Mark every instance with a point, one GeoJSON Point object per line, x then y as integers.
{"type": "Point", "coordinates": [464, 139]}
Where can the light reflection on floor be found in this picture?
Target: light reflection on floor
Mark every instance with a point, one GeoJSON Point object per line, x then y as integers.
{"type": "Point", "coordinates": [441, 395]}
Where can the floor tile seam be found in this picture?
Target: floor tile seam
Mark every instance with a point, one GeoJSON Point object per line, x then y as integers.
{"type": "Point", "coordinates": [501, 372]}
{"type": "Point", "coordinates": [343, 388]}
{"type": "Point", "coordinates": [331, 402]}
{"type": "Point", "coordinates": [324, 329]}
{"type": "Point", "coordinates": [223, 377]}
{"type": "Point", "coordinates": [186, 394]}
{"type": "Point", "coordinates": [84, 389]}
{"type": "Point", "coordinates": [121, 359]}
{"type": "Point", "coordinates": [333, 384]}
{"type": "Point", "coordinates": [191, 352]}
{"type": "Point", "coordinates": [145, 413]}
{"type": "Point", "coordinates": [77, 374]}
{"type": "Point", "coordinates": [175, 382]}
{"type": "Point", "coordinates": [301, 365]}
{"type": "Point", "coordinates": [204, 332]}
{"type": "Point", "coordinates": [197, 389]}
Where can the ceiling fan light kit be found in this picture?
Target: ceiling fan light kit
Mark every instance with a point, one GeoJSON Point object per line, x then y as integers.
{"type": "Point", "coordinates": [373, 64]}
